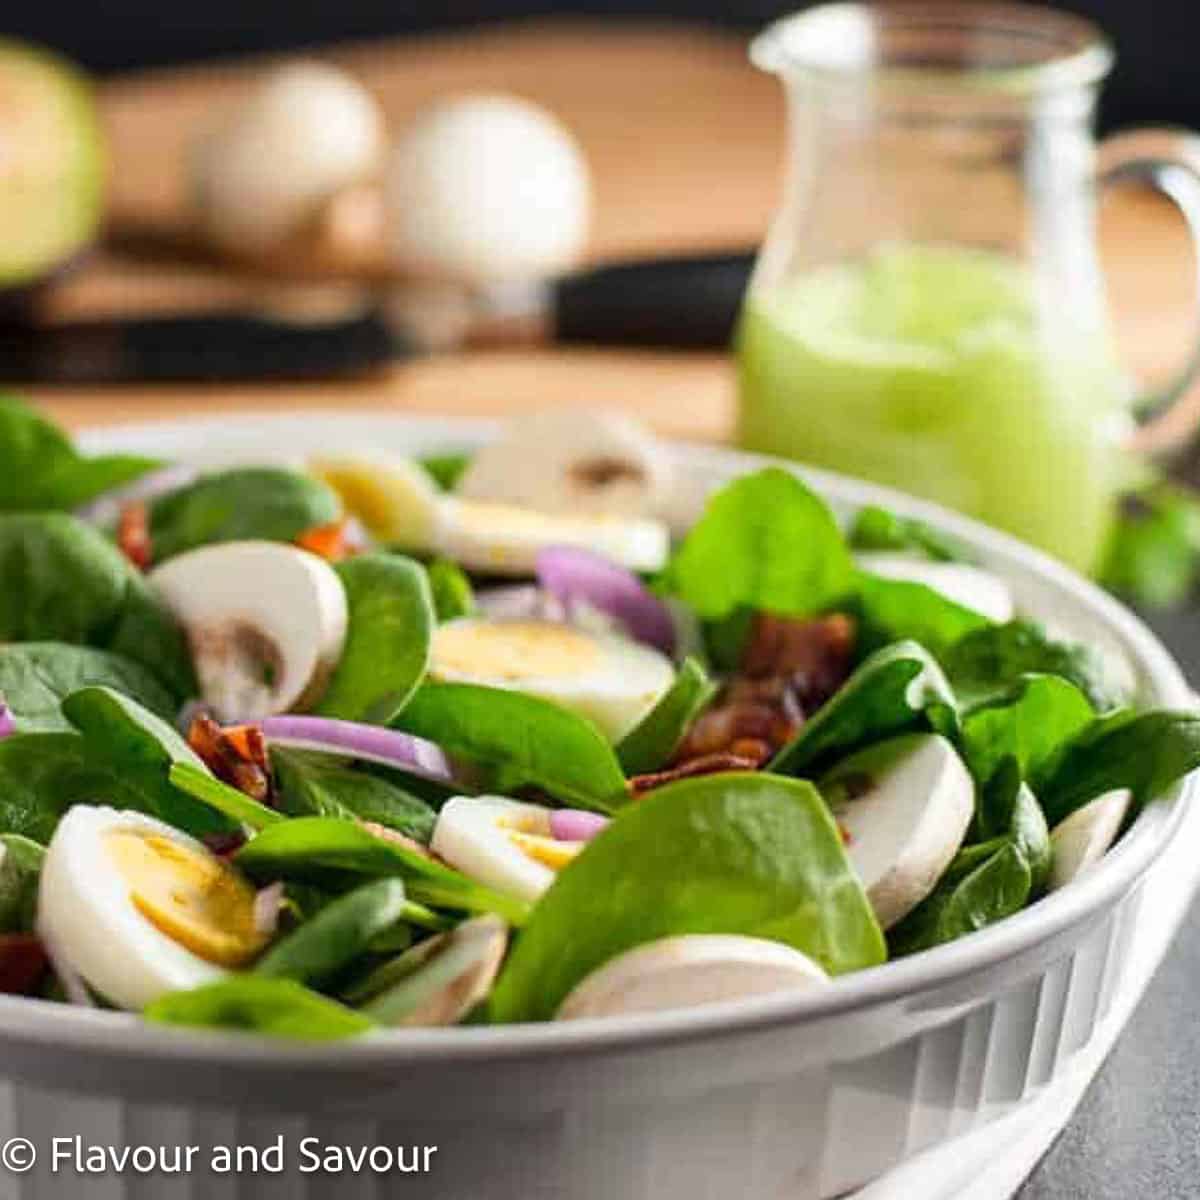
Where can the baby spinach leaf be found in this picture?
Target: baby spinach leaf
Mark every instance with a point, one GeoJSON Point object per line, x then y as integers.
{"type": "Point", "coordinates": [725, 639]}
{"type": "Point", "coordinates": [342, 931]}
{"type": "Point", "coordinates": [244, 503]}
{"type": "Point", "coordinates": [1008, 808]}
{"type": "Point", "coordinates": [453, 596]}
{"type": "Point", "coordinates": [36, 676]}
{"type": "Point", "coordinates": [1145, 752]}
{"type": "Point", "coordinates": [651, 743]}
{"type": "Point", "coordinates": [241, 809]}
{"type": "Point", "coordinates": [982, 890]}
{"type": "Point", "coordinates": [320, 785]}
{"type": "Point", "coordinates": [143, 748]}
{"type": "Point", "coordinates": [387, 640]}
{"type": "Point", "coordinates": [320, 850]}
{"type": "Point", "coordinates": [889, 610]}
{"type": "Point", "coordinates": [277, 1007]}
{"type": "Point", "coordinates": [64, 582]}
{"type": "Point", "coordinates": [876, 528]}
{"type": "Point", "coordinates": [20, 869]}
{"type": "Point", "coordinates": [41, 469]}
{"type": "Point", "coordinates": [993, 659]}
{"type": "Point", "coordinates": [1153, 555]}
{"type": "Point", "coordinates": [1031, 723]}
{"type": "Point", "coordinates": [446, 469]}
{"type": "Point", "coordinates": [765, 542]}
{"type": "Point", "coordinates": [531, 740]}
{"type": "Point", "coordinates": [898, 689]}
{"type": "Point", "coordinates": [44, 774]}
{"type": "Point", "coordinates": [738, 853]}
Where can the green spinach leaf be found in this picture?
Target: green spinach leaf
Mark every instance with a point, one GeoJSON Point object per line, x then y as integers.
{"type": "Point", "coordinates": [387, 640]}
{"type": "Point", "coordinates": [765, 542]}
{"type": "Point", "coordinates": [649, 745]}
{"type": "Point", "coordinates": [320, 785]}
{"type": "Point", "coordinates": [276, 1007]}
{"type": "Point", "coordinates": [1145, 752]}
{"type": "Point", "coordinates": [1153, 555]}
{"type": "Point", "coordinates": [41, 469]}
{"type": "Point", "coordinates": [876, 528]}
{"type": "Point", "coordinates": [64, 582]}
{"type": "Point", "coordinates": [891, 610]}
{"type": "Point", "coordinates": [240, 808]}
{"type": "Point", "coordinates": [36, 676]}
{"type": "Point", "coordinates": [143, 748]}
{"type": "Point", "coordinates": [325, 850]}
{"type": "Point", "coordinates": [530, 740]}
{"type": "Point", "coordinates": [1007, 808]}
{"type": "Point", "coordinates": [738, 853]}
{"type": "Point", "coordinates": [993, 660]}
{"type": "Point", "coordinates": [446, 469]}
{"type": "Point", "coordinates": [342, 931]}
{"type": "Point", "coordinates": [453, 596]}
{"type": "Point", "coordinates": [1031, 723]}
{"type": "Point", "coordinates": [44, 774]}
{"type": "Point", "coordinates": [244, 503]}
{"type": "Point", "coordinates": [897, 690]}
{"type": "Point", "coordinates": [20, 869]}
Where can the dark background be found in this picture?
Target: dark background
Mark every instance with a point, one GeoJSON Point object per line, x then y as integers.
{"type": "Point", "coordinates": [1158, 78]}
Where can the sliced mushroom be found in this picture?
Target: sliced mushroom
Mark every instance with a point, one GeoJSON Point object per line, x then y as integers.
{"type": "Point", "coordinates": [572, 462]}
{"type": "Point", "coordinates": [688, 971]}
{"type": "Point", "coordinates": [266, 623]}
{"type": "Point", "coordinates": [972, 587]}
{"type": "Point", "coordinates": [904, 807]}
{"type": "Point", "coordinates": [1081, 840]}
{"type": "Point", "coordinates": [440, 981]}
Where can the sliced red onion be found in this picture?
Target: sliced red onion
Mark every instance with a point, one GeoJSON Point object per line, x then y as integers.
{"type": "Point", "coordinates": [268, 904]}
{"type": "Point", "coordinates": [575, 825]}
{"type": "Point", "coordinates": [106, 509]}
{"type": "Point", "coordinates": [8, 723]}
{"type": "Point", "coordinates": [371, 743]}
{"type": "Point", "coordinates": [519, 602]}
{"type": "Point", "coordinates": [581, 578]}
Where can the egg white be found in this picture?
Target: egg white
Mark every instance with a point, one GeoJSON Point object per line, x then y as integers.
{"type": "Point", "coordinates": [473, 834]}
{"type": "Point", "coordinates": [87, 917]}
{"type": "Point", "coordinates": [615, 685]}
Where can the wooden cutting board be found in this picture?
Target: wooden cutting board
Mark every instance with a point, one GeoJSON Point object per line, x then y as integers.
{"type": "Point", "coordinates": [685, 143]}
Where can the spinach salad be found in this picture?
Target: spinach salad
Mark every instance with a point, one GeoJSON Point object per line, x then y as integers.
{"type": "Point", "coordinates": [320, 750]}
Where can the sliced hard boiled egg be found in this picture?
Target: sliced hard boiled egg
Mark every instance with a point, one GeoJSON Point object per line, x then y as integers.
{"type": "Point", "coordinates": [572, 462]}
{"type": "Point", "coordinates": [687, 971]}
{"type": "Point", "coordinates": [392, 496]}
{"type": "Point", "coordinates": [266, 623]}
{"type": "Point", "coordinates": [610, 680]}
{"type": "Point", "coordinates": [139, 909]}
{"type": "Point", "coordinates": [972, 587]}
{"type": "Point", "coordinates": [398, 503]}
{"type": "Point", "coordinates": [506, 844]}
{"type": "Point", "coordinates": [904, 807]}
{"type": "Point", "coordinates": [1081, 840]}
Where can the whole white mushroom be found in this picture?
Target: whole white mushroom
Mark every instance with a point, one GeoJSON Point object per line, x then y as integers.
{"type": "Point", "coordinates": [487, 188]}
{"type": "Point", "coordinates": [308, 132]}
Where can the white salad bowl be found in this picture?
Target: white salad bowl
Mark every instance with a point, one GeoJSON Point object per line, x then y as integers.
{"type": "Point", "coordinates": [774, 1099]}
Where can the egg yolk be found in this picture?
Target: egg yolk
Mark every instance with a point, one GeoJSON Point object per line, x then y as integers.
{"type": "Point", "coordinates": [550, 852]}
{"type": "Point", "coordinates": [192, 897]}
{"type": "Point", "coordinates": [360, 493]}
{"type": "Point", "coordinates": [513, 650]}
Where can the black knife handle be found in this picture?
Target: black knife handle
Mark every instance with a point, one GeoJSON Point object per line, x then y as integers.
{"type": "Point", "coordinates": [686, 303]}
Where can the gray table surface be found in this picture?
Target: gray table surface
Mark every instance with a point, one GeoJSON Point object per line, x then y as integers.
{"type": "Point", "coordinates": [1136, 1136]}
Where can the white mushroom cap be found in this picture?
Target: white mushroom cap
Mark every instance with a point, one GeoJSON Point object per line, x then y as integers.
{"type": "Point", "coordinates": [309, 131]}
{"type": "Point", "coordinates": [1081, 840]}
{"type": "Point", "coordinates": [266, 623]}
{"type": "Point", "coordinates": [688, 971]}
{"type": "Point", "coordinates": [911, 803]}
{"type": "Point", "coordinates": [487, 188]}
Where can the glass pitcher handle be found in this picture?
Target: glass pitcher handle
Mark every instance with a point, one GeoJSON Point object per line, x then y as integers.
{"type": "Point", "coordinates": [1166, 161]}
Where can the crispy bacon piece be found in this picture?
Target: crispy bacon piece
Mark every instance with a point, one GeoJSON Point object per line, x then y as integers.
{"type": "Point", "coordinates": [789, 668]}
{"type": "Point", "coordinates": [133, 535]}
{"type": "Point", "coordinates": [327, 541]}
{"type": "Point", "coordinates": [708, 764]}
{"type": "Point", "coordinates": [236, 755]}
{"type": "Point", "coordinates": [23, 962]}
